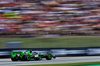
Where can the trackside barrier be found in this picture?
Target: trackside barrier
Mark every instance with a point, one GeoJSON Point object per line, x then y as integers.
{"type": "Point", "coordinates": [59, 52]}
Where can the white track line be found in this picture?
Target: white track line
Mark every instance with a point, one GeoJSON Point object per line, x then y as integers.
{"type": "Point", "coordinates": [8, 62]}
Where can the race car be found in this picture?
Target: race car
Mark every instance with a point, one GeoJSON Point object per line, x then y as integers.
{"type": "Point", "coordinates": [29, 55]}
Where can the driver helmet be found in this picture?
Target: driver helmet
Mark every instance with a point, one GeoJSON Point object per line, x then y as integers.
{"type": "Point", "coordinates": [30, 50]}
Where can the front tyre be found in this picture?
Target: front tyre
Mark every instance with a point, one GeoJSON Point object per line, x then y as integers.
{"type": "Point", "coordinates": [49, 56]}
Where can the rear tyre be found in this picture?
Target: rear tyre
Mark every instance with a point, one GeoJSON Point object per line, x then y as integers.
{"type": "Point", "coordinates": [49, 56]}
{"type": "Point", "coordinates": [14, 59]}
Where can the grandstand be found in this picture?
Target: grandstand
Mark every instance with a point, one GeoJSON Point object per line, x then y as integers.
{"type": "Point", "coordinates": [42, 17]}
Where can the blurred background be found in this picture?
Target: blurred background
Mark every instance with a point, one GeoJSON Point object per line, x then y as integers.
{"type": "Point", "coordinates": [66, 20]}
{"type": "Point", "coordinates": [46, 17]}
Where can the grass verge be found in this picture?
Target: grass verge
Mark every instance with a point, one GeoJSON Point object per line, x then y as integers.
{"type": "Point", "coordinates": [54, 42]}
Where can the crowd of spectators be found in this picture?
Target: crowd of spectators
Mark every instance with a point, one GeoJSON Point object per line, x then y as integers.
{"type": "Point", "coordinates": [49, 15]}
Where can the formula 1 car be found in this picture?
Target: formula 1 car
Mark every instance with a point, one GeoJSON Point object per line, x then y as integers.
{"type": "Point", "coordinates": [29, 55]}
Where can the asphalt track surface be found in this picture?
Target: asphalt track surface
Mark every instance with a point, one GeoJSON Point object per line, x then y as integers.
{"type": "Point", "coordinates": [8, 62]}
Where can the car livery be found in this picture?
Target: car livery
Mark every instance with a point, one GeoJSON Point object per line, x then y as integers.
{"type": "Point", "coordinates": [29, 55]}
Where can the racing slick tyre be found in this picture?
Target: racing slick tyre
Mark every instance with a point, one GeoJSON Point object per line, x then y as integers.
{"type": "Point", "coordinates": [14, 59]}
{"type": "Point", "coordinates": [49, 56]}
{"type": "Point", "coordinates": [27, 58]}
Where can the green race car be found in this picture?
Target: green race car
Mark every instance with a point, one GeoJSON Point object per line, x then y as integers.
{"type": "Point", "coordinates": [29, 55]}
